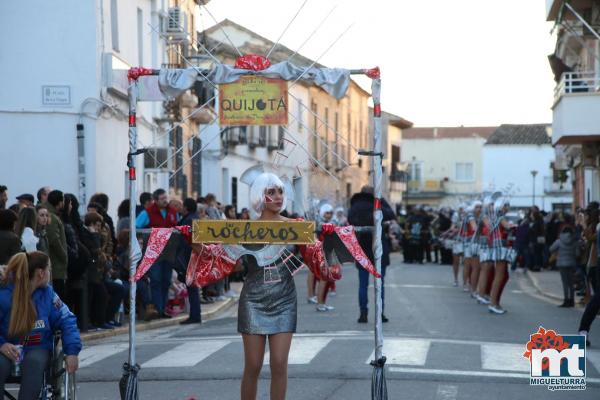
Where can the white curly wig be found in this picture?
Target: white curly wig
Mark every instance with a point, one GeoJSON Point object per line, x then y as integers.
{"type": "Point", "coordinates": [261, 184]}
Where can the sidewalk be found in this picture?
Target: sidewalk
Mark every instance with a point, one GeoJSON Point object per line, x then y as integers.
{"type": "Point", "coordinates": [208, 311]}
{"type": "Point", "coordinates": [547, 283]}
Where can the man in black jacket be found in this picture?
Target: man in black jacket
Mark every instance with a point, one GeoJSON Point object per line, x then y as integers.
{"type": "Point", "coordinates": [361, 214]}
{"type": "Point", "coordinates": [184, 252]}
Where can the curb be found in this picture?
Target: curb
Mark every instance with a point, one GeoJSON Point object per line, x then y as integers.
{"type": "Point", "coordinates": [161, 323]}
{"type": "Point", "coordinates": [534, 282]}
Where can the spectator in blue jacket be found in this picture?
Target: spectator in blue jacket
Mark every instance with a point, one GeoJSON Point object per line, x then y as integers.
{"type": "Point", "coordinates": [26, 301]}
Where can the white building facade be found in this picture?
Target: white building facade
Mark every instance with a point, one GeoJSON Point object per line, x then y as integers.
{"type": "Point", "coordinates": [444, 165]}
{"type": "Point", "coordinates": [518, 160]}
{"type": "Point", "coordinates": [576, 104]}
{"type": "Point", "coordinates": [63, 107]}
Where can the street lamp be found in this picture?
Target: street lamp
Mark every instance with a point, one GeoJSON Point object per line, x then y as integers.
{"type": "Point", "coordinates": [533, 174]}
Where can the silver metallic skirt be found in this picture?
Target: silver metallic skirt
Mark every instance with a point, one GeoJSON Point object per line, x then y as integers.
{"type": "Point", "coordinates": [267, 308]}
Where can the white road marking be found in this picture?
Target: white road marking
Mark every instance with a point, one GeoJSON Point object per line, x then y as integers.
{"type": "Point", "coordinates": [416, 286]}
{"type": "Point", "coordinates": [303, 350]}
{"type": "Point", "coordinates": [187, 354]}
{"type": "Point", "coordinates": [504, 357]}
{"type": "Point", "coordinates": [446, 392]}
{"type": "Point", "coordinates": [594, 358]}
{"type": "Point", "coordinates": [450, 372]}
{"type": "Point", "coordinates": [404, 351]}
{"type": "Point", "coordinates": [93, 354]}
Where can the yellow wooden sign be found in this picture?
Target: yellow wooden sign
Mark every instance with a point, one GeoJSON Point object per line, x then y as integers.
{"type": "Point", "coordinates": [253, 100]}
{"type": "Point", "coordinates": [258, 232]}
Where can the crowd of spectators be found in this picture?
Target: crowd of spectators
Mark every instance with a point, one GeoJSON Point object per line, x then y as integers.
{"type": "Point", "coordinates": [89, 252]}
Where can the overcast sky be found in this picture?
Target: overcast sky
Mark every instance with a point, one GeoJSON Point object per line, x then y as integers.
{"type": "Point", "coordinates": [444, 63]}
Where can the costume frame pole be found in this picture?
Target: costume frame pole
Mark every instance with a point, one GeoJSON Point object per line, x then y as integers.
{"type": "Point", "coordinates": [128, 385]}
{"type": "Point", "coordinates": [378, 383]}
{"type": "Point", "coordinates": [177, 81]}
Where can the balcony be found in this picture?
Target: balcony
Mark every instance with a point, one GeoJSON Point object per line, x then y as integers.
{"type": "Point", "coordinates": [553, 7]}
{"type": "Point", "coordinates": [398, 181]}
{"type": "Point", "coordinates": [557, 188]}
{"type": "Point", "coordinates": [576, 108]}
{"type": "Point", "coordinates": [428, 189]}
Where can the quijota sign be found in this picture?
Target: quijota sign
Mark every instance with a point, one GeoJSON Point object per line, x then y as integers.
{"type": "Point", "coordinates": [253, 100]}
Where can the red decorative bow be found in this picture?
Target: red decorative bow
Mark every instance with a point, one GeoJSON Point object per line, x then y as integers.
{"type": "Point", "coordinates": [186, 232]}
{"type": "Point", "coordinates": [253, 62]}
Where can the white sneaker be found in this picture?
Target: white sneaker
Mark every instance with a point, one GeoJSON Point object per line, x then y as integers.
{"type": "Point", "coordinates": [332, 293]}
{"type": "Point", "coordinates": [329, 308]}
{"type": "Point", "coordinates": [455, 284]}
{"type": "Point", "coordinates": [496, 310]}
{"type": "Point", "coordinates": [312, 300]}
{"type": "Point", "coordinates": [483, 300]}
{"type": "Point", "coordinates": [466, 288]}
{"type": "Point", "coordinates": [322, 308]}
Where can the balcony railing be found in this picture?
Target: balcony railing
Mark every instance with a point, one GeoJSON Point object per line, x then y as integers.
{"type": "Point", "coordinates": [399, 176]}
{"type": "Point", "coordinates": [577, 82]}
{"type": "Point", "coordinates": [556, 187]}
{"type": "Point", "coordinates": [425, 186]}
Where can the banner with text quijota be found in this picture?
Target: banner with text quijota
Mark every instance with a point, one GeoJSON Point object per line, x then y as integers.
{"type": "Point", "coordinates": [253, 100]}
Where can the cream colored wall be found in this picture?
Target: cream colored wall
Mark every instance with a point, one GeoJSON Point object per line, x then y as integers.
{"type": "Point", "coordinates": [439, 157]}
{"type": "Point", "coordinates": [394, 135]}
{"type": "Point", "coordinates": [353, 115]}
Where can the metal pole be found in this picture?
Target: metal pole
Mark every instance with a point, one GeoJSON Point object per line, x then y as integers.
{"type": "Point", "coordinates": [377, 216]}
{"type": "Point", "coordinates": [133, 93]}
{"type": "Point", "coordinates": [378, 384]}
{"type": "Point", "coordinates": [533, 174]}
{"type": "Point", "coordinates": [128, 384]}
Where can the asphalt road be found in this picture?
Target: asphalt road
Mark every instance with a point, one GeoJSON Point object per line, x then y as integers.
{"type": "Point", "coordinates": [440, 344]}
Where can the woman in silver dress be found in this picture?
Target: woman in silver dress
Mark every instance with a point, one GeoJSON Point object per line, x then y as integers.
{"type": "Point", "coordinates": [266, 310]}
{"type": "Point", "coordinates": [268, 302]}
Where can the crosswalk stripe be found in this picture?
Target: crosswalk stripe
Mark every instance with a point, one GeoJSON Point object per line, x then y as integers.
{"type": "Point", "coordinates": [446, 392]}
{"type": "Point", "coordinates": [90, 355]}
{"type": "Point", "coordinates": [504, 357]}
{"type": "Point", "coordinates": [594, 358]}
{"type": "Point", "coordinates": [404, 352]}
{"type": "Point", "coordinates": [187, 354]}
{"type": "Point", "coordinates": [303, 350]}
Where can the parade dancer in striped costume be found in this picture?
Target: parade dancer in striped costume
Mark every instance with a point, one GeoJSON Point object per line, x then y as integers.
{"type": "Point", "coordinates": [486, 276]}
{"type": "Point", "coordinates": [503, 254]}
{"type": "Point", "coordinates": [475, 225]}
{"type": "Point", "coordinates": [458, 224]}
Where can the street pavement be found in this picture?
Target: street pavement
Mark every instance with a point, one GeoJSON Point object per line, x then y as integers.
{"type": "Point", "coordinates": [440, 345]}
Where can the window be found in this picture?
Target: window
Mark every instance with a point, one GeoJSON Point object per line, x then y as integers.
{"type": "Point", "coordinates": [315, 141]}
{"type": "Point", "coordinates": [336, 127]}
{"type": "Point", "coordinates": [280, 138]}
{"type": "Point", "coordinates": [262, 136]}
{"type": "Point", "coordinates": [140, 36]}
{"type": "Point", "coordinates": [360, 134]}
{"type": "Point", "coordinates": [415, 176]}
{"type": "Point", "coordinates": [326, 124]}
{"type": "Point", "coordinates": [243, 135]}
{"type": "Point", "coordinates": [464, 172]}
{"type": "Point", "coordinates": [196, 166]}
{"type": "Point", "coordinates": [114, 25]}
{"type": "Point", "coordinates": [234, 192]}
{"type": "Point", "coordinates": [300, 115]}
{"type": "Point", "coordinates": [395, 158]}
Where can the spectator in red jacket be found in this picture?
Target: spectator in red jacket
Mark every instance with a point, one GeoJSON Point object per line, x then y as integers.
{"type": "Point", "coordinates": [159, 215]}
